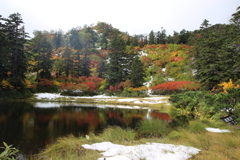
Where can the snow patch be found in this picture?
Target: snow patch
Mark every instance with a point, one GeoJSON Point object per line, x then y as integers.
{"type": "Point", "coordinates": [148, 151]}
{"type": "Point", "coordinates": [217, 130]}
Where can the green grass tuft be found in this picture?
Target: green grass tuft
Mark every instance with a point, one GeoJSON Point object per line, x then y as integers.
{"type": "Point", "coordinates": [153, 128]}
{"type": "Point", "coordinates": [116, 134]}
{"type": "Point", "coordinates": [197, 127]}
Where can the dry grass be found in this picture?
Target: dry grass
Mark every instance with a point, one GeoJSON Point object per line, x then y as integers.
{"type": "Point", "coordinates": [221, 146]}
{"type": "Point", "coordinates": [69, 148]}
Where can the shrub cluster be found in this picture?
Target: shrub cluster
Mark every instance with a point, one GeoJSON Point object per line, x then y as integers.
{"type": "Point", "coordinates": [207, 104]}
{"type": "Point", "coordinates": [81, 86]}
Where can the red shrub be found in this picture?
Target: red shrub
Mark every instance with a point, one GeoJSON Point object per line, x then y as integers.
{"type": "Point", "coordinates": [91, 85]}
{"type": "Point", "coordinates": [94, 79]}
{"type": "Point", "coordinates": [45, 83]}
{"type": "Point", "coordinates": [117, 88]}
{"type": "Point", "coordinates": [174, 86]}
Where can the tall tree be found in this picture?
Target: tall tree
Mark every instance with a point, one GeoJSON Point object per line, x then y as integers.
{"type": "Point", "coordinates": [183, 37]}
{"type": "Point", "coordinates": [236, 17]}
{"type": "Point", "coordinates": [14, 38]}
{"type": "Point", "coordinates": [58, 39]}
{"type": "Point", "coordinates": [175, 37]}
{"type": "Point", "coordinates": [3, 49]}
{"type": "Point", "coordinates": [74, 39]}
{"type": "Point", "coordinates": [42, 49]}
{"type": "Point", "coordinates": [151, 38]}
{"type": "Point", "coordinates": [137, 73]}
{"type": "Point", "coordinates": [134, 41]}
{"type": "Point", "coordinates": [161, 36]}
{"type": "Point", "coordinates": [205, 24]}
{"type": "Point", "coordinates": [68, 61]}
{"type": "Point", "coordinates": [118, 61]}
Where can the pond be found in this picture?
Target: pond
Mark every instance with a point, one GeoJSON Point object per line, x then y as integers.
{"type": "Point", "coordinates": [31, 126]}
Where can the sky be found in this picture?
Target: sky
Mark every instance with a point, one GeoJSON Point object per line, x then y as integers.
{"type": "Point", "coordinates": [132, 16]}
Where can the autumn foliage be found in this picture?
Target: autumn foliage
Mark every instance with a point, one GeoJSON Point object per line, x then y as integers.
{"type": "Point", "coordinates": [174, 86]}
{"type": "Point", "coordinates": [82, 85]}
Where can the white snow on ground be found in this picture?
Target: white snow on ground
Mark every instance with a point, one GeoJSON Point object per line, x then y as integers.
{"type": "Point", "coordinates": [147, 100]}
{"type": "Point", "coordinates": [217, 130]}
{"type": "Point", "coordinates": [56, 104]}
{"type": "Point", "coordinates": [148, 151]}
{"type": "Point", "coordinates": [47, 95]}
{"type": "Point", "coordinates": [57, 95]}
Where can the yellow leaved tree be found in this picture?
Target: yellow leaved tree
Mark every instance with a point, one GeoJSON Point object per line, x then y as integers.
{"type": "Point", "coordinates": [226, 85]}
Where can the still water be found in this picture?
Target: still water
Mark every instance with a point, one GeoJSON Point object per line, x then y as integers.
{"type": "Point", "coordinates": [31, 126]}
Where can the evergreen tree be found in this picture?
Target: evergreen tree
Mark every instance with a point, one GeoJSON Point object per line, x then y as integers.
{"type": "Point", "coordinates": [151, 38]}
{"type": "Point", "coordinates": [175, 37]}
{"type": "Point", "coordinates": [68, 61]}
{"type": "Point", "coordinates": [85, 62]}
{"type": "Point", "coordinates": [205, 24]}
{"type": "Point", "coordinates": [183, 37]}
{"type": "Point", "coordinates": [137, 73]}
{"type": "Point", "coordinates": [145, 40]}
{"type": "Point", "coordinates": [236, 17]}
{"type": "Point", "coordinates": [161, 36]}
{"type": "Point", "coordinates": [58, 39]}
{"type": "Point", "coordinates": [102, 69]}
{"type": "Point", "coordinates": [74, 39]}
{"type": "Point", "coordinates": [134, 41]}
{"type": "Point", "coordinates": [3, 49]}
{"type": "Point", "coordinates": [103, 40]}
{"type": "Point", "coordinates": [13, 62]}
{"type": "Point", "coordinates": [88, 37]}
{"type": "Point", "coordinates": [42, 50]}
{"type": "Point", "coordinates": [117, 68]}
{"type": "Point", "coordinates": [217, 59]}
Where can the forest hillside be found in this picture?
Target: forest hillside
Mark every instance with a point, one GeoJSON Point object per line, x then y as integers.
{"type": "Point", "coordinates": [100, 59]}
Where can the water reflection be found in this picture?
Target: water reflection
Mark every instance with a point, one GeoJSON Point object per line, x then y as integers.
{"type": "Point", "coordinates": [29, 127]}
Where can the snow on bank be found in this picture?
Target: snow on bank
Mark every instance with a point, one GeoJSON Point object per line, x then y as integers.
{"type": "Point", "coordinates": [146, 100]}
{"type": "Point", "coordinates": [56, 104]}
{"type": "Point", "coordinates": [148, 151]}
{"type": "Point", "coordinates": [57, 95]}
{"type": "Point", "coordinates": [217, 130]}
{"type": "Point", "coordinates": [47, 95]}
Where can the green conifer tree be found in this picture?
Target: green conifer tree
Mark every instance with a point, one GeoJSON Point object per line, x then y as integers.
{"type": "Point", "coordinates": [117, 68]}
{"type": "Point", "coordinates": [137, 73]}
{"type": "Point", "coordinates": [151, 38]}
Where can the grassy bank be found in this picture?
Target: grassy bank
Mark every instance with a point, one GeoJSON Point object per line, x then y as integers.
{"type": "Point", "coordinates": [212, 145]}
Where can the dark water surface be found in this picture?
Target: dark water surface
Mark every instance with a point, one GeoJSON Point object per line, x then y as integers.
{"type": "Point", "coordinates": [31, 126]}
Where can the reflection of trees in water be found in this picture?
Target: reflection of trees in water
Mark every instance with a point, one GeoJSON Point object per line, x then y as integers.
{"type": "Point", "coordinates": [161, 115]}
{"type": "Point", "coordinates": [124, 117]}
{"type": "Point", "coordinates": [31, 128]}
{"type": "Point", "coordinates": [177, 121]}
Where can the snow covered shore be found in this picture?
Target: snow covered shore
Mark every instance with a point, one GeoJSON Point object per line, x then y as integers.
{"type": "Point", "coordinates": [146, 100]}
